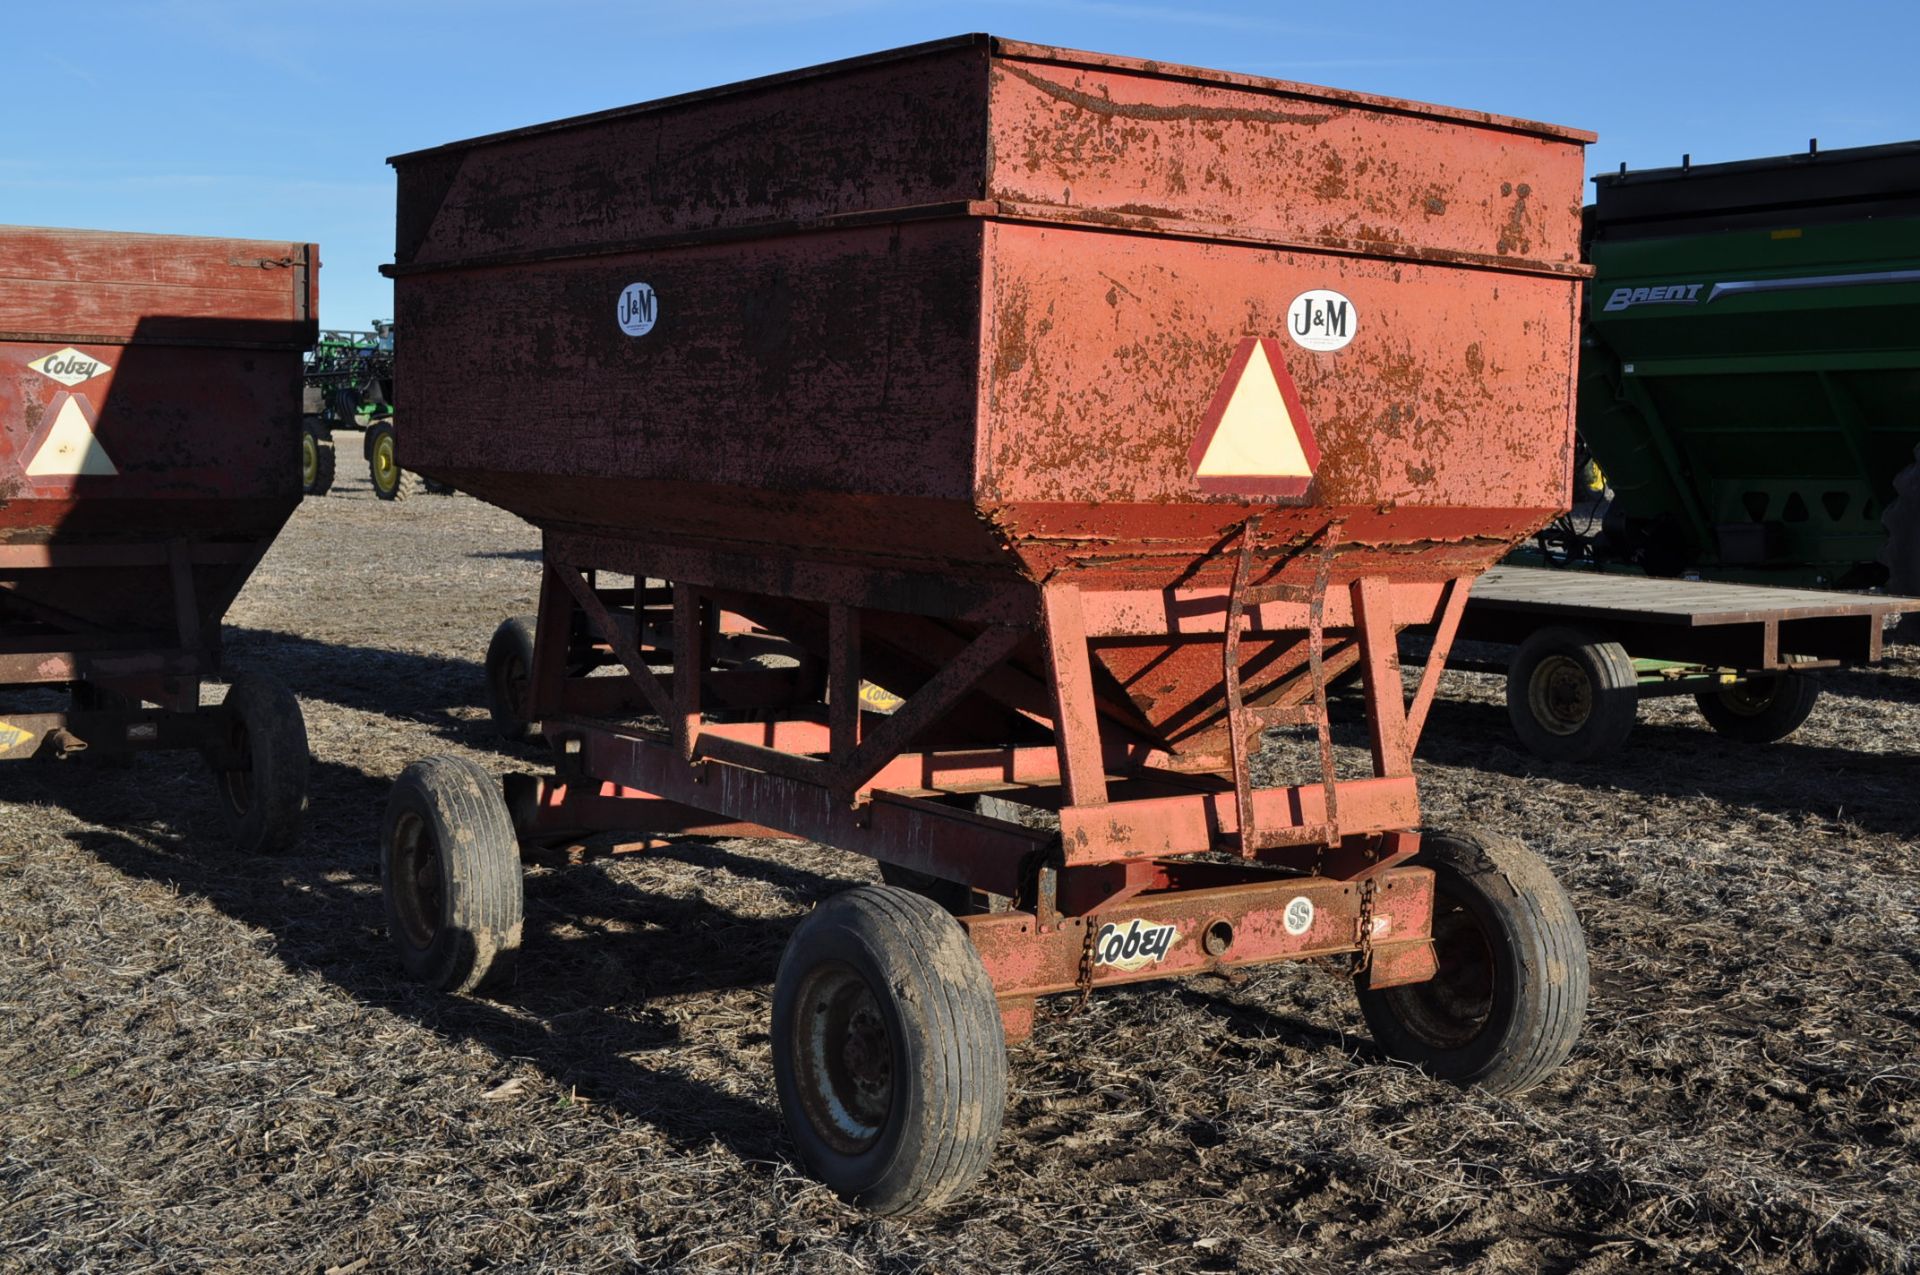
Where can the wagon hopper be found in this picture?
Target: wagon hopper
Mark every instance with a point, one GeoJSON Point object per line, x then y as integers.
{"type": "Point", "coordinates": [149, 426]}
{"type": "Point", "coordinates": [1104, 410]}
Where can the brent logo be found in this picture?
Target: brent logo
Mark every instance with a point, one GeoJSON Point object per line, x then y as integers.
{"type": "Point", "coordinates": [68, 366]}
{"type": "Point", "coordinates": [1130, 948]}
{"type": "Point", "coordinates": [1671, 294]}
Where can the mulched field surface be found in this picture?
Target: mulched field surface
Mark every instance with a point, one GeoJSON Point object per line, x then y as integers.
{"type": "Point", "coordinates": [214, 1063]}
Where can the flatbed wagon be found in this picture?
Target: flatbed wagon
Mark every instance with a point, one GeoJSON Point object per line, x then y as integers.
{"type": "Point", "coordinates": [1107, 413]}
{"type": "Point", "coordinates": [1589, 646]}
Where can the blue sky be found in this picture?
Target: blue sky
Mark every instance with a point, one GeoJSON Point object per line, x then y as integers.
{"type": "Point", "coordinates": [275, 119]}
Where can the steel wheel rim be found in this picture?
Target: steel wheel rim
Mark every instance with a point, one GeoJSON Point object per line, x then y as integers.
{"type": "Point", "coordinates": [309, 460]}
{"type": "Point", "coordinates": [1453, 1007]}
{"type": "Point", "coordinates": [385, 470]}
{"type": "Point", "coordinates": [1560, 694]}
{"type": "Point", "coordinates": [514, 686]}
{"type": "Point", "coordinates": [1750, 699]}
{"type": "Point", "coordinates": [418, 890]}
{"type": "Point", "coordinates": [843, 1059]}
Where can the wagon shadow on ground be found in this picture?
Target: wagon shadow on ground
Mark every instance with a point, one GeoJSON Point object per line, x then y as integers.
{"type": "Point", "coordinates": [599, 955]}
{"type": "Point", "coordinates": [1871, 790]}
{"type": "Point", "coordinates": [421, 689]}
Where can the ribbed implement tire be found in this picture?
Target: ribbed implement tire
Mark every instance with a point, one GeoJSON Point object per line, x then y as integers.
{"type": "Point", "coordinates": [1600, 674]}
{"type": "Point", "coordinates": [1490, 890]}
{"type": "Point", "coordinates": [880, 982]}
{"type": "Point", "coordinates": [509, 672]}
{"type": "Point", "coordinates": [1762, 711]}
{"type": "Point", "coordinates": [265, 801]}
{"type": "Point", "coordinates": [450, 875]}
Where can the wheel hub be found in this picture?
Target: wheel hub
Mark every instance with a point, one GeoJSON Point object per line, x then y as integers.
{"type": "Point", "coordinates": [417, 886]}
{"type": "Point", "coordinates": [1560, 695]}
{"type": "Point", "coordinates": [845, 1059]}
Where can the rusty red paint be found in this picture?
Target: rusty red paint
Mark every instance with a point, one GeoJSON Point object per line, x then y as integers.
{"type": "Point", "coordinates": [1026, 959]}
{"type": "Point", "coordinates": [927, 406]}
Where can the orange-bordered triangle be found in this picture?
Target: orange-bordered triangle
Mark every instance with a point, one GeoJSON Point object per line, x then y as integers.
{"type": "Point", "coordinates": [63, 446]}
{"type": "Point", "coordinates": [1255, 439]}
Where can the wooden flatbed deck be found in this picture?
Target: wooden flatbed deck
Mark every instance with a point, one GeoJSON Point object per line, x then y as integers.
{"type": "Point", "coordinates": [1743, 626]}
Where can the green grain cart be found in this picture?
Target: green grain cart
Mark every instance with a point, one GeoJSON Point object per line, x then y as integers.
{"type": "Point", "coordinates": [1750, 377]}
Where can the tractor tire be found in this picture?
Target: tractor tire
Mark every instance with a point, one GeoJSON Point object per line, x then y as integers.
{"type": "Point", "coordinates": [1571, 694]}
{"type": "Point", "coordinates": [316, 456]}
{"type": "Point", "coordinates": [1901, 552]}
{"type": "Point", "coordinates": [450, 874]}
{"type": "Point", "coordinates": [390, 482]}
{"type": "Point", "coordinates": [888, 1052]}
{"type": "Point", "coordinates": [1506, 1006]}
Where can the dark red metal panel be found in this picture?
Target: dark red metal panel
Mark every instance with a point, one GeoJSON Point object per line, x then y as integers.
{"type": "Point", "coordinates": [149, 415]}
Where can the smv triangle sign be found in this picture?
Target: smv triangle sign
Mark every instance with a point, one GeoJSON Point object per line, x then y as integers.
{"type": "Point", "coordinates": [1254, 439]}
{"type": "Point", "coordinates": [65, 446]}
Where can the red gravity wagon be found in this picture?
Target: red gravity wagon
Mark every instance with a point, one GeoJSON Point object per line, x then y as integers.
{"type": "Point", "coordinates": [1106, 412]}
{"type": "Point", "coordinates": [149, 438]}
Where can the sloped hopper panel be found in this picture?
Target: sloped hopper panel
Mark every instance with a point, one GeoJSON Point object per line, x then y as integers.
{"type": "Point", "coordinates": [971, 308]}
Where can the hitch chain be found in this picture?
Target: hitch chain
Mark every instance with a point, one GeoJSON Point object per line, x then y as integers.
{"type": "Point", "coordinates": [1085, 979]}
{"type": "Point", "coordinates": [1363, 958]}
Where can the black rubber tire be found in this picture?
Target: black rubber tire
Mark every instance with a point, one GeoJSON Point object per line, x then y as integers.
{"type": "Point", "coordinates": [265, 801]}
{"type": "Point", "coordinates": [1571, 694]}
{"type": "Point", "coordinates": [883, 981]}
{"type": "Point", "coordinates": [316, 456]}
{"type": "Point", "coordinates": [1761, 710]}
{"type": "Point", "coordinates": [1901, 552]}
{"type": "Point", "coordinates": [450, 875]}
{"type": "Point", "coordinates": [1507, 1005]}
{"type": "Point", "coordinates": [509, 670]}
{"type": "Point", "coordinates": [390, 482]}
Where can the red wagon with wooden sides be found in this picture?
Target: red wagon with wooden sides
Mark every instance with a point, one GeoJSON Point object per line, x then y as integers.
{"type": "Point", "coordinates": [149, 429]}
{"type": "Point", "coordinates": [1107, 413]}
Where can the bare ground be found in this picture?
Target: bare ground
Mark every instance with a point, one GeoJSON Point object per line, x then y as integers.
{"type": "Point", "coordinates": [213, 1063]}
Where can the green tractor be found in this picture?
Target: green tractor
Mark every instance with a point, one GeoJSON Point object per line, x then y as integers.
{"type": "Point", "coordinates": [1750, 371]}
{"type": "Point", "coordinates": [349, 385]}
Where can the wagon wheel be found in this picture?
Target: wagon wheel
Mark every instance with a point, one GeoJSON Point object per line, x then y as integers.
{"type": "Point", "coordinates": [887, 1050]}
{"type": "Point", "coordinates": [1761, 710]}
{"type": "Point", "coordinates": [264, 795]}
{"type": "Point", "coordinates": [316, 456]}
{"type": "Point", "coordinates": [509, 669]}
{"type": "Point", "coordinates": [1505, 1007]}
{"type": "Point", "coordinates": [1571, 695]}
{"type": "Point", "coordinates": [390, 482]}
{"type": "Point", "coordinates": [450, 873]}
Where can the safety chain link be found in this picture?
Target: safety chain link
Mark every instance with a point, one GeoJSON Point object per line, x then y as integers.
{"type": "Point", "coordinates": [1085, 979]}
{"type": "Point", "coordinates": [1363, 959]}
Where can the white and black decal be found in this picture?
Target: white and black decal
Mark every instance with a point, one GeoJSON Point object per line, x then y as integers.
{"type": "Point", "coordinates": [639, 309]}
{"type": "Point", "coordinates": [1138, 943]}
{"type": "Point", "coordinates": [1322, 320]}
{"type": "Point", "coordinates": [1298, 916]}
{"type": "Point", "coordinates": [69, 366]}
